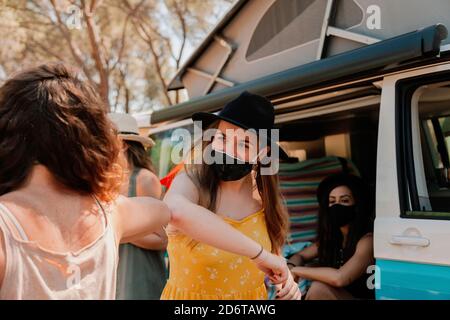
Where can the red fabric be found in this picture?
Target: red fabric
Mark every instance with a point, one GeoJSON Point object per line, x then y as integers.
{"type": "Point", "coordinates": [167, 180]}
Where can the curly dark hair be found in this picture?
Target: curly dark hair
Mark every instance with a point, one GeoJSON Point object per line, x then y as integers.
{"type": "Point", "coordinates": [51, 117]}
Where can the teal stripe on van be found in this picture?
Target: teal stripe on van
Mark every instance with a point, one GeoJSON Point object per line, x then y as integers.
{"type": "Point", "coordinates": [412, 281]}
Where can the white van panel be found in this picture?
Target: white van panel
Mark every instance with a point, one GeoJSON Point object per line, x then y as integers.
{"type": "Point", "coordinates": [389, 226]}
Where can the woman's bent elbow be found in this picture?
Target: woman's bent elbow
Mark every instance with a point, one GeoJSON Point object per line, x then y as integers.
{"type": "Point", "coordinates": [340, 281]}
{"type": "Point", "coordinates": [174, 206]}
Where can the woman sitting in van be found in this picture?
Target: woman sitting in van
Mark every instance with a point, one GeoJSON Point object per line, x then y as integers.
{"type": "Point", "coordinates": [345, 244]}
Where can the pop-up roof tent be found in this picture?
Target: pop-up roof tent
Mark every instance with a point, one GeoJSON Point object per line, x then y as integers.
{"type": "Point", "coordinates": [259, 38]}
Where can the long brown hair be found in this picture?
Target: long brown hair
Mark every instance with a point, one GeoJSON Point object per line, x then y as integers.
{"type": "Point", "coordinates": [138, 156]}
{"type": "Point", "coordinates": [51, 117]}
{"type": "Point", "coordinates": [276, 217]}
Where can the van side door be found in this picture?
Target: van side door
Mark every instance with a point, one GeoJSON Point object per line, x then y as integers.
{"type": "Point", "coordinates": [412, 225]}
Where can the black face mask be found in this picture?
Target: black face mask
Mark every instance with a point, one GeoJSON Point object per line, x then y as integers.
{"type": "Point", "coordinates": [228, 169]}
{"type": "Point", "coordinates": [343, 215]}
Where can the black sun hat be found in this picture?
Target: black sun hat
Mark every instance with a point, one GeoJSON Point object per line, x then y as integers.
{"type": "Point", "coordinates": [247, 111]}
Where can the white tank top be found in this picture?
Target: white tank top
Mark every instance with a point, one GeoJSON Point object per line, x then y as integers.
{"type": "Point", "coordinates": [32, 272]}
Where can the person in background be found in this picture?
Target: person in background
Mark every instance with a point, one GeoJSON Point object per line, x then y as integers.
{"type": "Point", "coordinates": [61, 215]}
{"type": "Point", "coordinates": [234, 207]}
{"type": "Point", "coordinates": [345, 242]}
{"type": "Point", "coordinates": [141, 272]}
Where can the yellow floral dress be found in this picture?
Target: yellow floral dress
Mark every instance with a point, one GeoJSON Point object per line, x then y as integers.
{"type": "Point", "coordinates": [201, 272]}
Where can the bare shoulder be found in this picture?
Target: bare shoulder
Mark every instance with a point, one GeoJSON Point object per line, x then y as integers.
{"type": "Point", "coordinates": [148, 184]}
{"type": "Point", "coordinates": [182, 184]}
{"type": "Point", "coordinates": [118, 208]}
{"type": "Point", "coordinates": [182, 178]}
{"type": "Point", "coordinates": [146, 176]}
{"type": "Point", "coordinates": [119, 204]}
{"type": "Point", "coordinates": [365, 243]}
{"type": "Point", "coordinates": [367, 237]}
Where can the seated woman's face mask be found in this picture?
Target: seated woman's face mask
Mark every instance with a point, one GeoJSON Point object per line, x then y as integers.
{"type": "Point", "coordinates": [342, 214]}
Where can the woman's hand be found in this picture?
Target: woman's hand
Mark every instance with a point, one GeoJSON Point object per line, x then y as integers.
{"type": "Point", "coordinates": [274, 266]}
{"type": "Point", "coordinates": [289, 291]}
{"type": "Point", "coordinates": [354, 268]}
{"type": "Point", "coordinates": [295, 261]}
{"type": "Point", "coordinates": [294, 274]}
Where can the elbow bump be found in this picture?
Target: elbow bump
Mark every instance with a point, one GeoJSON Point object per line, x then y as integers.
{"type": "Point", "coordinates": [165, 213]}
{"type": "Point", "coordinates": [174, 208]}
{"type": "Point", "coordinates": [175, 216]}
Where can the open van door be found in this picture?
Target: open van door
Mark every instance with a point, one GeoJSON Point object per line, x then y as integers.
{"type": "Point", "coordinates": [412, 226]}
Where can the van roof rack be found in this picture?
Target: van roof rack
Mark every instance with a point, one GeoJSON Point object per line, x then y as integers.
{"type": "Point", "coordinates": [380, 56]}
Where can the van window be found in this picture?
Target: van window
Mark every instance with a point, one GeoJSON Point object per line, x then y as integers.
{"type": "Point", "coordinates": [430, 130]}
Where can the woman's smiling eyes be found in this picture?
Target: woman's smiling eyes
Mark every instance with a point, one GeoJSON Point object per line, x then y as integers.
{"type": "Point", "coordinates": [219, 137]}
{"type": "Point", "coordinates": [343, 200]}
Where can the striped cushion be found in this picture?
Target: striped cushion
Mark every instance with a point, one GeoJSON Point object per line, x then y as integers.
{"type": "Point", "coordinates": [298, 183]}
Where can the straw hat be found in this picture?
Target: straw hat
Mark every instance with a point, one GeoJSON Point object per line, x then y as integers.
{"type": "Point", "coordinates": [128, 129]}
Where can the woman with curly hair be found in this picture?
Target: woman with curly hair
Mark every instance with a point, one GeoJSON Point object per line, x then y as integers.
{"type": "Point", "coordinates": [61, 215]}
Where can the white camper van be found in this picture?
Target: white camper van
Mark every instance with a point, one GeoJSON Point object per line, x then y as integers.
{"type": "Point", "coordinates": [368, 81]}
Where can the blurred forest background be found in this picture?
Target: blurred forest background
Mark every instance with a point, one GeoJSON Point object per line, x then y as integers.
{"type": "Point", "coordinates": [129, 49]}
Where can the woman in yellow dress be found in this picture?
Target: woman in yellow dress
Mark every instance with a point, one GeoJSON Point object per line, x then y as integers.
{"type": "Point", "coordinates": [229, 223]}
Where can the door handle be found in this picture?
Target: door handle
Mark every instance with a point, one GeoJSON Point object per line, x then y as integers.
{"type": "Point", "coordinates": [410, 241]}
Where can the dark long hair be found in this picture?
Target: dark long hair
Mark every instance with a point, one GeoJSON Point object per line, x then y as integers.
{"type": "Point", "coordinates": [276, 217]}
{"type": "Point", "coordinates": [138, 156]}
{"type": "Point", "coordinates": [330, 236]}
